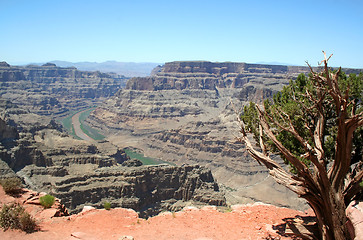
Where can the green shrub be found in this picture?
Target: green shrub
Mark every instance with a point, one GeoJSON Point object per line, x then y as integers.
{"type": "Point", "coordinates": [47, 201]}
{"type": "Point", "coordinates": [11, 185]}
{"type": "Point", "coordinates": [13, 216]}
{"type": "Point", "coordinates": [107, 205]}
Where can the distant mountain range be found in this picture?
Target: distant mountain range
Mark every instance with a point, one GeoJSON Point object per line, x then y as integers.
{"type": "Point", "coordinates": [128, 69]}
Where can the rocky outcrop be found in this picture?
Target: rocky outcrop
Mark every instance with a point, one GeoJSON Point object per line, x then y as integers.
{"type": "Point", "coordinates": [30, 200]}
{"type": "Point", "coordinates": [17, 145]}
{"type": "Point", "coordinates": [18, 150]}
{"type": "Point", "coordinates": [7, 133]}
{"type": "Point", "coordinates": [49, 89]}
{"type": "Point", "coordinates": [6, 171]}
{"type": "Point", "coordinates": [146, 189]}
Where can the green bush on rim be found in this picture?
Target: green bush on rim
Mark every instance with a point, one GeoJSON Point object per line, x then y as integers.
{"type": "Point", "coordinates": [107, 205]}
{"type": "Point", "coordinates": [47, 201]}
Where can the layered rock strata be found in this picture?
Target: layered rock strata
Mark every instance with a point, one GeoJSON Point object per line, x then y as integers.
{"type": "Point", "coordinates": [146, 189]}
{"type": "Point", "coordinates": [209, 75]}
{"type": "Point", "coordinates": [89, 173]}
{"type": "Point", "coordinates": [49, 90]}
{"type": "Point", "coordinates": [31, 139]}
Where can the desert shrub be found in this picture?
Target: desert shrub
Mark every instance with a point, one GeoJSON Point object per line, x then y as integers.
{"type": "Point", "coordinates": [107, 205]}
{"type": "Point", "coordinates": [9, 216]}
{"type": "Point", "coordinates": [47, 201]}
{"type": "Point", "coordinates": [13, 216]}
{"type": "Point", "coordinates": [11, 185]}
{"type": "Point", "coordinates": [27, 223]}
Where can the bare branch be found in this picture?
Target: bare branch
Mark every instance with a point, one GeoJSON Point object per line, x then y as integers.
{"type": "Point", "coordinates": [288, 155]}
{"type": "Point", "coordinates": [278, 173]}
{"type": "Point", "coordinates": [353, 187]}
{"type": "Point", "coordinates": [325, 59]}
{"type": "Point", "coordinates": [262, 144]}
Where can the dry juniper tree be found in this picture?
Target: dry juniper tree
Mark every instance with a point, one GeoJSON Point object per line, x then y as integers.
{"type": "Point", "coordinates": [315, 124]}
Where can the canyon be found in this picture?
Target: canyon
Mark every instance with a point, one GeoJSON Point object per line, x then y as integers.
{"type": "Point", "coordinates": [184, 113]}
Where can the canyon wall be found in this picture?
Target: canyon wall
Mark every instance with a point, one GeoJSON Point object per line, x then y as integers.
{"type": "Point", "coordinates": [146, 189]}
{"type": "Point", "coordinates": [209, 75]}
{"type": "Point", "coordinates": [52, 90]}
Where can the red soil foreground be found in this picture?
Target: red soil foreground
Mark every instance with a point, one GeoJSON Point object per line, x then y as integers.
{"type": "Point", "coordinates": [242, 222]}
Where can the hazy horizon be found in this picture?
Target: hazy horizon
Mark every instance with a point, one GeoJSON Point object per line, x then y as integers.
{"type": "Point", "coordinates": [155, 63]}
{"type": "Point", "coordinates": [286, 32]}
{"type": "Point", "coordinates": [52, 61]}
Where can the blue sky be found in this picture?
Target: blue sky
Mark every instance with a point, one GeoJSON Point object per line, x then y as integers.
{"type": "Point", "coordinates": [161, 31]}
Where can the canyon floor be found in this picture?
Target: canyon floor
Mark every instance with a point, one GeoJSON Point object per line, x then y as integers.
{"type": "Point", "coordinates": [255, 221]}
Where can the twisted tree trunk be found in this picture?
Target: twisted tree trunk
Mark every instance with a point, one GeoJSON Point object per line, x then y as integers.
{"type": "Point", "coordinates": [327, 190]}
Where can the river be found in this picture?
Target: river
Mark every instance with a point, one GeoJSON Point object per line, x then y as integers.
{"type": "Point", "coordinates": [77, 127]}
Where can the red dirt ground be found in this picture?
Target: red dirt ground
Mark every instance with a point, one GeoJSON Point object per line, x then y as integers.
{"type": "Point", "coordinates": [240, 222]}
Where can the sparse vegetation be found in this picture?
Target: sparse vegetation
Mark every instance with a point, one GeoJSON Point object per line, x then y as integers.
{"type": "Point", "coordinates": [230, 189]}
{"type": "Point", "coordinates": [13, 216]}
{"type": "Point", "coordinates": [47, 201]}
{"type": "Point", "coordinates": [11, 186]}
{"type": "Point", "coordinates": [27, 223]}
{"type": "Point", "coordinates": [107, 205]}
{"type": "Point", "coordinates": [226, 209]}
